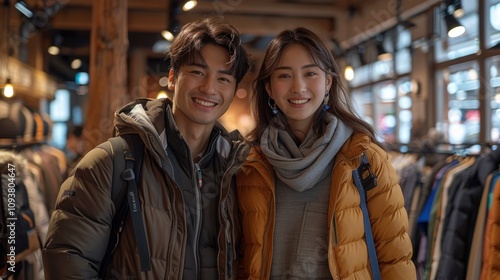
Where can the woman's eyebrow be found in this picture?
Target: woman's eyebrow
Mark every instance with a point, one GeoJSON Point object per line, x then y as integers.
{"type": "Point", "coordinates": [289, 67]}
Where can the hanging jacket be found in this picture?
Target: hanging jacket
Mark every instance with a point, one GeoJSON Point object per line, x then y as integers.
{"type": "Point", "coordinates": [80, 226]}
{"type": "Point", "coordinates": [491, 247]}
{"type": "Point", "coordinates": [461, 216]}
{"type": "Point", "coordinates": [347, 251]}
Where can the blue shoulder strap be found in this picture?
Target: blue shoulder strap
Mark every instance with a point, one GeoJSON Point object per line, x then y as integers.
{"type": "Point", "coordinates": [364, 184]}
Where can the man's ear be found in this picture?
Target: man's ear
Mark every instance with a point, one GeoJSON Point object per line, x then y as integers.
{"type": "Point", "coordinates": [171, 80]}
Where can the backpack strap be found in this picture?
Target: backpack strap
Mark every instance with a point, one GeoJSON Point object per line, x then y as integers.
{"type": "Point", "coordinates": [363, 184]}
{"type": "Point", "coordinates": [127, 153]}
{"type": "Point", "coordinates": [135, 210]}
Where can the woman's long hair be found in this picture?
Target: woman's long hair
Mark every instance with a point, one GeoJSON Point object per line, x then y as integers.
{"type": "Point", "coordinates": [339, 101]}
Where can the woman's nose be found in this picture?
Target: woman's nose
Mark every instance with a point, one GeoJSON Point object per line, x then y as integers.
{"type": "Point", "coordinates": [298, 85]}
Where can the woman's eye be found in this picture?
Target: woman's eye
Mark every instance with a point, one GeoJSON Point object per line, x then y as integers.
{"type": "Point", "coordinates": [309, 74]}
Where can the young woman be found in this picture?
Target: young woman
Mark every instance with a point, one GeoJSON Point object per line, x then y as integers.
{"type": "Point", "coordinates": [301, 212]}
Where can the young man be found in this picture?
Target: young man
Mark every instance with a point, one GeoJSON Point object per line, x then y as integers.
{"type": "Point", "coordinates": [186, 191]}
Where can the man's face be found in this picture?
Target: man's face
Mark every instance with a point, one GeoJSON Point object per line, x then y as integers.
{"type": "Point", "coordinates": [203, 90]}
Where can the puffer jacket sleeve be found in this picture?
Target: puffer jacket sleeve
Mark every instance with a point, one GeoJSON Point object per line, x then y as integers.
{"type": "Point", "coordinates": [389, 220]}
{"type": "Point", "coordinates": [80, 224]}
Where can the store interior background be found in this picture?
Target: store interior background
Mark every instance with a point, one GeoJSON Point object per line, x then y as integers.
{"type": "Point", "coordinates": [430, 82]}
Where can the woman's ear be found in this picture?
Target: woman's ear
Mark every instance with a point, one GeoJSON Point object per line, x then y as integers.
{"type": "Point", "coordinates": [329, 82]}
{"type": "Point", "coordinates": [171, 80]}
{"type": "Point", "coordinates": [268, 89]}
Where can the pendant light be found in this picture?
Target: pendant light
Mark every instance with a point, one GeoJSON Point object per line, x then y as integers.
{"type": "Point", "coordinates": [8, 90]}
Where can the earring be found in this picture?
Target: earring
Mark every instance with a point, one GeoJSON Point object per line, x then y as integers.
{"type": "Point", "coordinates": [273, 107]}
{"type": "Point", "coordinates": [325, 102]}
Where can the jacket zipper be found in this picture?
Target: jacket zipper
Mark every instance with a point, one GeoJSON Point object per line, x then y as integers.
{"type": "Point", "coordinates": [197, 229]}
{"type": "Point", "coordinates": [198, 175]}
{"type": "Point", "coordinates": [230, 248]}
{"type": "Point", "coordinates": [333, 235]}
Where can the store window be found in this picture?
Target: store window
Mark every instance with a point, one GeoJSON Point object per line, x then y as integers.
{"type": "Point", "coordinates": [403, 52]}
{"type": "Point", "coordinates": [361, 76]}
{"type": "Point", "coordinates": [403, 61]}
{"type": "Point", "coordinates": [382, 90]}
{"type": "Point", "coordinates": [382, 69]}
{"type": "Point", "coordinates": [363, 104]}
{"type": "Point", "coordinates": [457, 92]}
{"type": "Point", "coordinates": [466, 44]}
{"type": "Point", "coordinates": [493, 72]}
{"type": "Point", "coordinates": [385, 118]}
{"type": "Point", "coordinates": [59, 114]}
{"type": "Point", "coordinates": [405, 89]}
{"type": "Point", "coordinates": [493, 23]}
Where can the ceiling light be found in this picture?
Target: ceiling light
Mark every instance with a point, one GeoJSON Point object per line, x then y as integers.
{"type": "Point", "coordinates": [76, 63]}
{"type": "Point", "coordinates": [189, 5]}
{"type": "Point", "coordinates": [54, 50]}
{"type": "Point", "coordinates": [24, 9]}
{"type": "Point", "coordinates": [453, 26]}
{"type": "Point", "coordinates": [56, 44]}
{"type": "Point", "coordinates": [458, 10]}
{"type": "Point", "coordinates": [382, 53]}
{"type": "Point", "coordinates": [8, 90]}
{"type": "Point", "coordinates": [167, 35]}
{"type": "Point", "coordinates": [349, 73]}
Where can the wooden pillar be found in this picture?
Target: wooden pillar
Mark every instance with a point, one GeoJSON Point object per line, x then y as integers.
{"type": "Point", "coordinates": [35, 52]}
{"type": "Point", "coordinates": [137, 73]}
{"type": "Point", "coordinates": [108, 68]}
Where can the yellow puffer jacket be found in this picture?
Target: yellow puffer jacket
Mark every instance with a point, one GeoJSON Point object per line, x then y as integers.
{"type": "Point", "coordinates": [347, 251]}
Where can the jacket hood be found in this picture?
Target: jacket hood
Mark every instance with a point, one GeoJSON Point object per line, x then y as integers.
{"type": "Point", "coordinates": [131, 119]}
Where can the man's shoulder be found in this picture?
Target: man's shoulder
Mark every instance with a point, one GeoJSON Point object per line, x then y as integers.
{"type": "Point", "coordinates": [95, 158]}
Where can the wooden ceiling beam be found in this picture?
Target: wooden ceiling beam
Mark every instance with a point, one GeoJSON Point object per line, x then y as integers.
{"type": "Point", "coordinates": [79, 18]}
{"type": "Point", "coordinates": [269, 25]}
{"type": "Point", "coordinates": [269, 8]}
{"type": "Point", "coordinates": [154, 21]}
{"type": "Point", "coordinates": [131, 4]}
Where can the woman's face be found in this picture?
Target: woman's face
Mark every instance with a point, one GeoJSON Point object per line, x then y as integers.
{"type": "Point", "coordinates": [298, 87]}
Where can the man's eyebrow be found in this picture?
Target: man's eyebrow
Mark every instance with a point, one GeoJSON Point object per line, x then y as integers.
{"type": "Point", "coordinates": [202, 65]}
{"type": "Point", "coordinates": [225, 72]}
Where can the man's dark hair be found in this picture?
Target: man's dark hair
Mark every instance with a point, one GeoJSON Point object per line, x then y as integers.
{"type": "Point", "coordinates": [187, 45]}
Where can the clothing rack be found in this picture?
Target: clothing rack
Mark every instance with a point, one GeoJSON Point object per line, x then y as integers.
{"type": "Point", "coordinates": [453, 178]}
{"type": "Point", "coordinates": [18, 145]}
{"type": "Point", "coordinates": [463, 149]}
